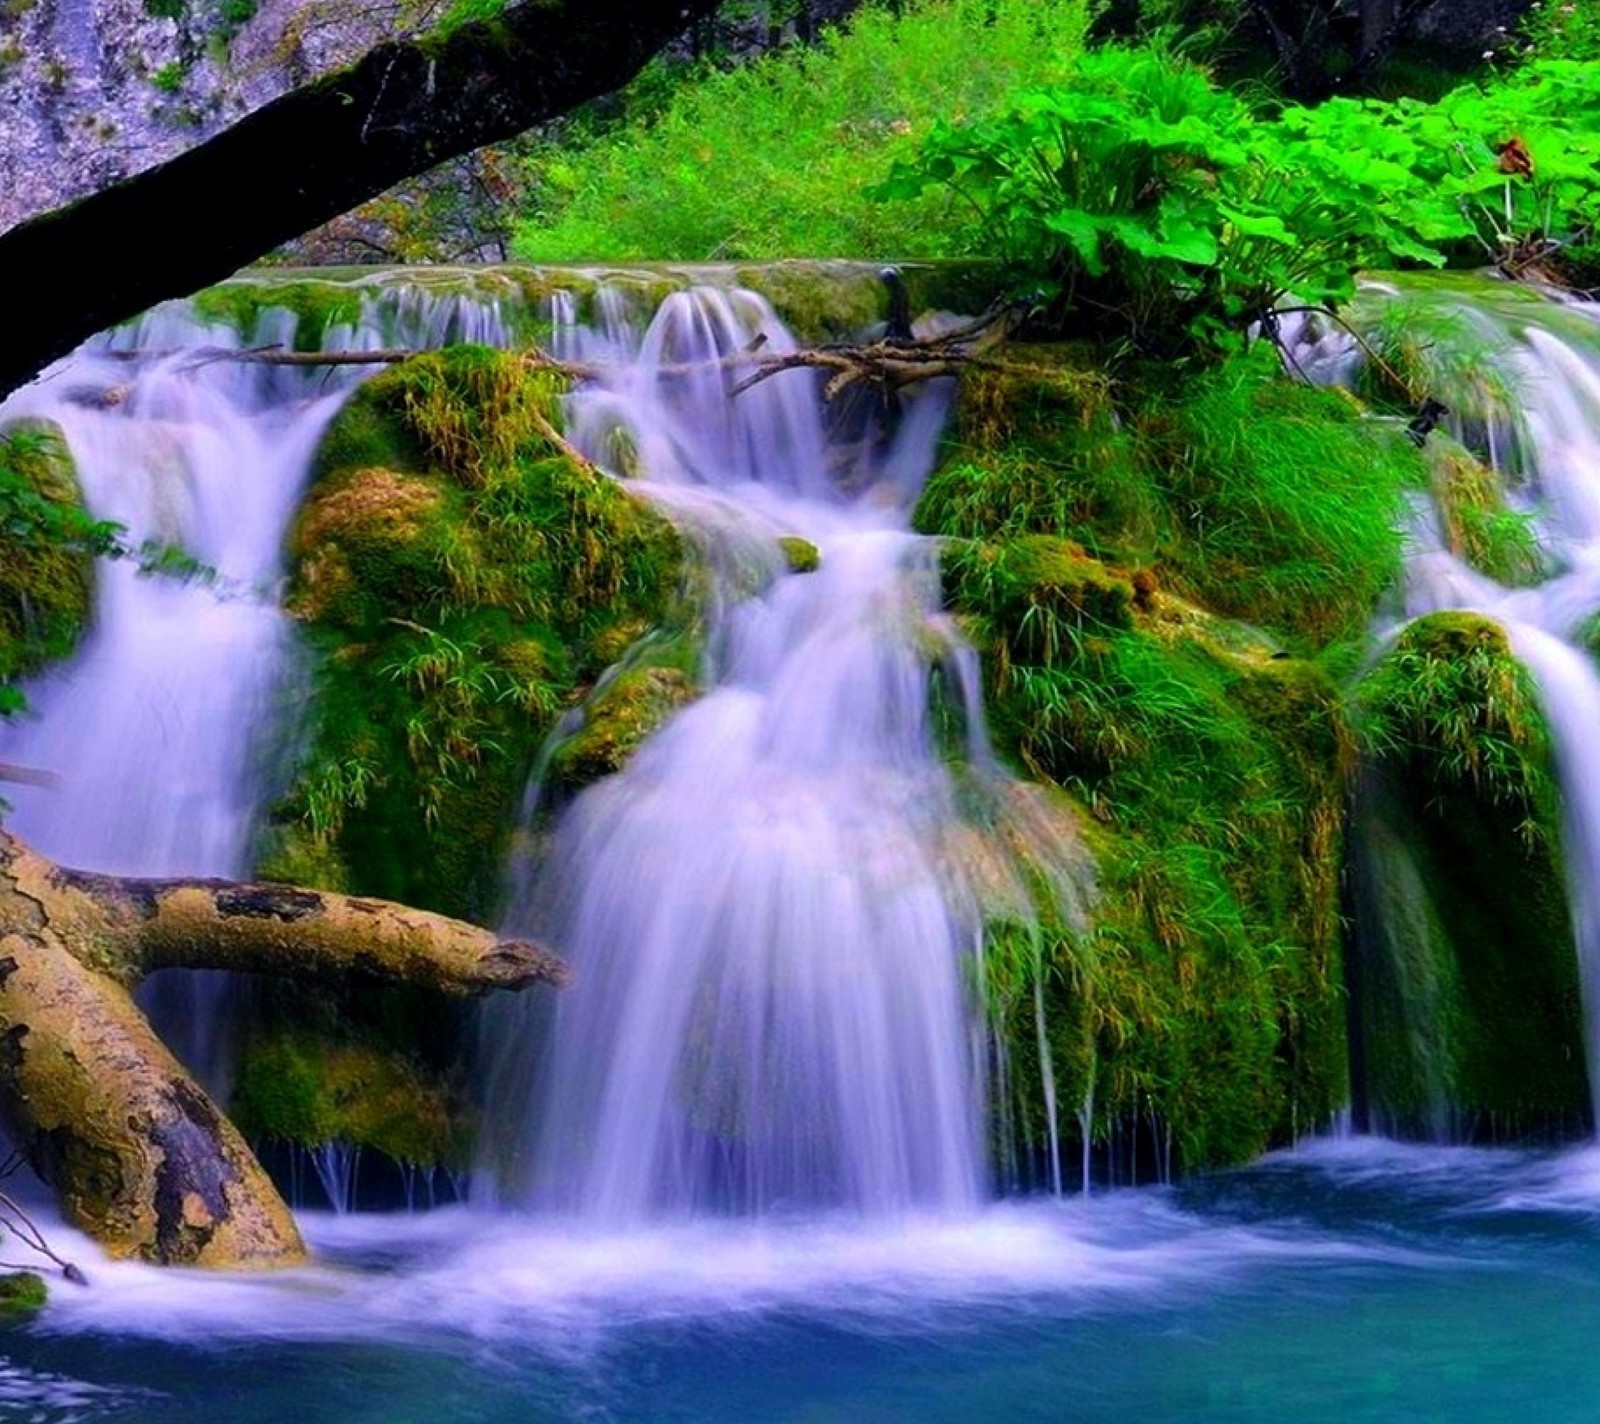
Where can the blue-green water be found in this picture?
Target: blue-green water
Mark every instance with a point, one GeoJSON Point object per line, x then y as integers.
{"type": "Point", "coordinates": [1353, 1281]}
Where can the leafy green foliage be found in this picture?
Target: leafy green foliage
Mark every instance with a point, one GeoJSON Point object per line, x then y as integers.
{"type": "Point", "coordinates": [1561, 29]}
{"type": "Point", "coordinates": [772, 159]}
{"type": "Point", "coordinates": [1145, 201]}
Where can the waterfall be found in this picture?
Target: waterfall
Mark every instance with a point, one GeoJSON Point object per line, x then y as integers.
{"type": "Point", "coordinates": [158, 732]}
{"type": "Point", "coordinates": [768, 912]}
{"type": "Point", "coordinates": [1546, 441]}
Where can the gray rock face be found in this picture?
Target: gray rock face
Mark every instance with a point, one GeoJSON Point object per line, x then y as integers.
{"type": "Point", "coordinates": [1469, 25]}
{"type": "Point", "coordinates": [93, 90]}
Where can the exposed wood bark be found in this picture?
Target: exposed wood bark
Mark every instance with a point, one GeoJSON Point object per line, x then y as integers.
{"type": "Point", "coordinates": [312, 154]}
{"type": "Point", "coordinates": [140, 1156]}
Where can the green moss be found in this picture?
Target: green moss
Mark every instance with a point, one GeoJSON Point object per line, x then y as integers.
{"type": "Point", "coordinates": [47, 543]}
{"type": "Point", "coordinates": [1477, 522]}
{"type": "Point", "coordinates": [1046, 593]}
{"type": "Point", "coordinates": [1451, 702]}
{"type": "Point", "coordinates": [317, 305]}
{"type": "Point", "coordinates": [462, 583]}
{"type": "Point", "coordinates": [1284, 501]}
{"type": "Point", "coordinates": [1466, 979]}
{"type": "Point", "coordinates": [623, 712]}
{"type": "Point", "coordinates": [1038, 447]}
{"type": "Point", "coordinates": [296, 1085]}
{"type": "Point", "coordinates": [22, 1296]}
{"type": "Point", "coordinates": [1206, 994]}
{"type": "Point", "coordinates": [819, 301]}
{"type": "Point", "coordinates": [802, 556]}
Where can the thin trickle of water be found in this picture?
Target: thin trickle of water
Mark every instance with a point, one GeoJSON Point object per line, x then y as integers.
{"type": "Point", "coordinates": [768, 925]}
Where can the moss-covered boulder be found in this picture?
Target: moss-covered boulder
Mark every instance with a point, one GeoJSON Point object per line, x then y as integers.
{"type": "Point", "coordinates": [617, 719]}
{"type": "Point", "coordinates": [22, 1296]}
{"type": "Point", "coordinates": [462, 584]}
{"type": "Point", "coordinates": [1464, 978]}
{"type": "Point", "coordinates": [1199, 1019]}
{"type": "Point", "coordinates": [1476, 518]}
{"type": "Point", "coordinates": [801, 555]}
{"type": "Point", "coordinates": [309, 1089]}
{"type": "Point", "coordinates": [47, 544]}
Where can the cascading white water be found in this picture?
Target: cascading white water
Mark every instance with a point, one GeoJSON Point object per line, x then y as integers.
{"type": "Point", "coordinates": [768, 918]}
{"type": "Point", "coordinates": [158, 731]}
{"type": "Point", "coordinates": [1549, 357]}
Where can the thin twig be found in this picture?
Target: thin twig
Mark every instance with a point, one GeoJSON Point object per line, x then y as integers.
{"type": "Point", "coordinates": [565, 446]}
{"type": "Point", "coordinates": [27, 776]}
{"type": "Point", "coordinates": [23, 1227]}
{"type": "Point", "coordinates": [1361, 341]}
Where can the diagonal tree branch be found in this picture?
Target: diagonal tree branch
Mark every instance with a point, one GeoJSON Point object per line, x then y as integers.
{"type": "Point", "coordinates": [312, 154]}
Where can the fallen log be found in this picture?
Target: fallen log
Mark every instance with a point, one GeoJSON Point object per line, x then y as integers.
{"type": "Point", "coordinates": [139, 1155]}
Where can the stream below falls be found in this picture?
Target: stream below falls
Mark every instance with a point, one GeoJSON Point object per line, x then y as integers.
{"type": "Point", "coordinates": [1356, 1280]}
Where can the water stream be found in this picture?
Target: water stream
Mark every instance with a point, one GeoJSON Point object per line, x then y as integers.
{"type": "Point", "coordinates": [768, 909]}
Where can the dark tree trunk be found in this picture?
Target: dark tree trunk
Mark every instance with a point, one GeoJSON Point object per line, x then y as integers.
{"type": "Point", "coordinates": [312, 154]}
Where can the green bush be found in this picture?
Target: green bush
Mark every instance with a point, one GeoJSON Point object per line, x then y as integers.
{"type": "Point", "coordinates": [1147, 203]}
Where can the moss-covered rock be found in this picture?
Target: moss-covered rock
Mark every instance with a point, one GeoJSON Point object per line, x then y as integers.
{"type": "Point", "coordinates": [297, 1086]}
{"type": "Point", "coordinates": [1046, 594]}
{"type": "Point", "coordinates": [801, 555]}
{"type": "Point", "coordinates": [1464, 977]}
{"type": "Point", "coordinates": [1036, 446]}
{"type": "Point", "coordinates": [626, 710]}
{"type": "Point", "coordinates": [22, 1296]}
{"type": "Point", "coordinates": [370, 540]}
{"type": "Point", "coordinates": [47, 543]}
{"type": "Point", "coordinates": [463, 583]}
{"type": "Point", "coordinates": [1477, 521]}
{"type": "Point", "coordinates": [1124, 565]}
{"type": "Point", "coordinates": [1283, 503]}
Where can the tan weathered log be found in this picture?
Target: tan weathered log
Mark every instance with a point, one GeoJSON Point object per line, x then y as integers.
{"type": "Point", "coordinates": [141, 1158]}
{"type": "Point", "coordinates": [300, 934]}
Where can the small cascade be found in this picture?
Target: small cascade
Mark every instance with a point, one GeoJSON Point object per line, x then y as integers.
{"type": "Point", "coordinates": [160, 730]}
{"type": "Point", "coordinates": [1542, 432]}
{"type": "Point", "coordinates": [769, 912]}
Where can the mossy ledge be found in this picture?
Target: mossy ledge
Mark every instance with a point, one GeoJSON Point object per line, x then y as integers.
{"type": "Point", "coordinates": [1463, 975]}
{"type": "Point", "coordinates": [462, 584]}
{"type": "Point", "coordinates": [819, 301]}
{"type": "Point", "coordinates": [1162, 596]}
